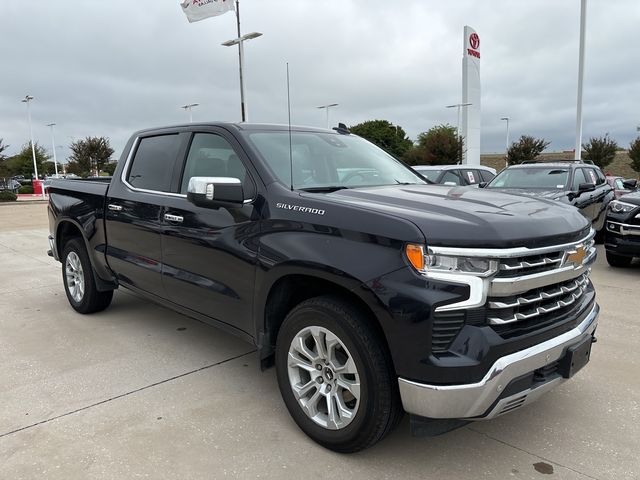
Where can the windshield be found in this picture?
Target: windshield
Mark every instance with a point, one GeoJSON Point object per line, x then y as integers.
{"type": "Point", "coordinates": [329, 160]}
{"type": "Point", "coordinates": [549, 178]}
{"type": "Point", "coordinates": [428, 173]}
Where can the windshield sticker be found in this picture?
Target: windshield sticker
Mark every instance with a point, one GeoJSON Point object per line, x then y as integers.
{"type": "Point", "coordinates": [298, 208]}
{"type": "Point", "coordinates": [471, 177]}
{"type": "Point", "coordinates": [559, 186]}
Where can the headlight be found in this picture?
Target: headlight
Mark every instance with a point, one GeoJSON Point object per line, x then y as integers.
{"type": "Point", "coordinates": [428, 261]}
{"type": "Point", "coordinates": [621, 207]}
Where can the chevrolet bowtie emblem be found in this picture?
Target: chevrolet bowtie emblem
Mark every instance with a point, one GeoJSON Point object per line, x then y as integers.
{"type": "Point", "coordinates": [575, 256]}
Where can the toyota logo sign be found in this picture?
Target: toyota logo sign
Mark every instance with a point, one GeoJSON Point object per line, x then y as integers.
{"type": "Point", "coordinates": [474, 41]}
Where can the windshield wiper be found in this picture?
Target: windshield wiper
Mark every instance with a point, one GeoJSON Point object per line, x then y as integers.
{"type": "Point", "coordinates": [327, 189]}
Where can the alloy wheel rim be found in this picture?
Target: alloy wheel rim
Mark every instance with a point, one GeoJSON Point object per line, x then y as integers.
{"type": "Point", "coordinates": [323, 377]}
{"type": "Point", "coordinates": [75, 276]}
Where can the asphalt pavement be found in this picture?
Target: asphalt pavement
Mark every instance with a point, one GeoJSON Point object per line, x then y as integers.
{"type": "Point", "coordinates": [138, 391]}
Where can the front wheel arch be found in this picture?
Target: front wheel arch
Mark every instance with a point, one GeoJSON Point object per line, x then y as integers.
{"type": "Point", "coordinates": [290, 290]}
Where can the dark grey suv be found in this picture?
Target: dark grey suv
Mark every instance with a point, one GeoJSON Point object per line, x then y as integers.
{"type": "Point", "coordinates": [580, 184]}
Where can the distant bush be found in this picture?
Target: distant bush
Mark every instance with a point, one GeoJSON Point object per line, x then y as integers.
{"type": "Point", "coordinates": [526, 149]}
{"type": "Point", "coordinates": [634, 154]}
{"type": "Point", "coordinates": [7, 196]}
{"type": "Point", "coordinates": [25, 189]}
{"type": "Point", "coordinates": [600, 150]}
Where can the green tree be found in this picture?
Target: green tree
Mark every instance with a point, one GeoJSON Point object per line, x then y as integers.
{"type": "Point", "coordinates": [634, 154]}
{"type": "Point", "coordinates": [110, 168]}
{"type": "Point", "coordinates": [392, 138]}
{"type": "Point", "coordinates": [4, 169]}
{"type": "Point", "coordinates": [3, 147]}
{"type": "Point", "coordinates": [89, 156]}
{"type": "Point", "coordinates": [440, 145]}
{"type": "Point", "coordinates": [22, 163]}
{"type": "Point", "coordinates": [527, 148]}
{"type": "Point", "coordinates": [600, 150]}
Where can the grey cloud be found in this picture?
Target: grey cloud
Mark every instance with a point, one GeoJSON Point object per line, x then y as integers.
{"type": "Point", "coordinates": [108, 68]}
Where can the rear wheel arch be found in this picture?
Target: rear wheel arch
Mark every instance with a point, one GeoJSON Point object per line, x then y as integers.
{"type": "Point", "coordinates": [66, 231]}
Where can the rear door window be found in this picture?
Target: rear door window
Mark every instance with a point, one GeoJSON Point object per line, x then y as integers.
{"type": "Point", "coordinates": [600, 176]}
{"type": "Point", "coordinates": [471, 176]}
{"type": "Point", "coordinates": [153, 163]}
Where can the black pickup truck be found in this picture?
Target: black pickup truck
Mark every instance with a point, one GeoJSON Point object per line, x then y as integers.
{"type": "Point", "coordinates": [373, 292]}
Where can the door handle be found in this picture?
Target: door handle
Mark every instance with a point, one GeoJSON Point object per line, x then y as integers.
{"type": "Point", "coordinates": [173, 218]}
{"type": "Point", "coordinates": [115, 208]}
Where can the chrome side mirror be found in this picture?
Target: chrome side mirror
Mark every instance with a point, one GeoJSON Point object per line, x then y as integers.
{"type": "Point", "coordinates": [211, 192]}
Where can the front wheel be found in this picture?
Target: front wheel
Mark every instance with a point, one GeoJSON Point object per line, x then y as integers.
{"type": "Point", "coordinates": [618, 260]}
{"type": "Point", "coordinates": [335, 375]}
{"type": "Point", "coordinates": [79, 284]}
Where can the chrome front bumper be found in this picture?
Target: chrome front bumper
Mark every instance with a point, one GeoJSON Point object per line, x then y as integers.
{"type": "Point", "coordinates": [623, 228]}
{"type": "Point", "coordinates": [476, 399]}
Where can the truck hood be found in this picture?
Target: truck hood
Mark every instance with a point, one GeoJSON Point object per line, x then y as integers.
{"type": "Point", "coordinates": [633, 198]}
{"type": "Point", "coordinates": [471, 217]}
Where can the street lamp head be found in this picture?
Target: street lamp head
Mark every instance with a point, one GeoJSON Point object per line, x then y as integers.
{"type": "Point", "coordinates": [50, 124]}
{"type": "Point", "coordinates": [252, 35]}
{"type": "Point", "coordinates": [235, 41]}
{"type": "Point", "coordinates": [329, 105]}
{"type": "Point", "coordinates": [458, 105]}
{"type": "Point", "coordinates": [189, 105]}
{"type": "Point", "coordinates": [505, 118]}
{"type": "Point", "coordinates": [27, 99]}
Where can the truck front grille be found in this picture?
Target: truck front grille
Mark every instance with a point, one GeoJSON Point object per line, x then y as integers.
{"type": "Point", "coordinates": [536, 303]}
{"type": "Point", "coordinates": [532, 289]}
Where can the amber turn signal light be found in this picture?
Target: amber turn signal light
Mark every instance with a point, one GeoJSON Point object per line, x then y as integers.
{"type": "Point", "coordinates": [415, 255]}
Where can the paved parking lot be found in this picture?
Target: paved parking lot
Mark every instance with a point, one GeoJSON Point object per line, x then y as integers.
{"type": "Point", "coordinates": [140, 391]}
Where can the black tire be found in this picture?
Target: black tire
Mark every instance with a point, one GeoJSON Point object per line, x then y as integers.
{"type": "Point", "coordinates": [91, 300]}
{"type": "Point", "coordinates": [379, 409]}
{"type": "Point", "coordinates": [618, 260]}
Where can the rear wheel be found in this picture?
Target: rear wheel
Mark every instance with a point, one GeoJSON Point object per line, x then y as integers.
{"type": "Point", "coordinates": [335, 375]}
{"type": "Point", "coordinates": [618, 260]}
{"type": "Point", "coordinates": [79, 284]}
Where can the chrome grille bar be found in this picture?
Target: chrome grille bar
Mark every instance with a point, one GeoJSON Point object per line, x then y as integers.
{"type": "Point", "coordinates": [565, 302]}
{"type": "Point", "coordinates": [545, 295]}
{"type": "Point", "coordinates": [526, 264]}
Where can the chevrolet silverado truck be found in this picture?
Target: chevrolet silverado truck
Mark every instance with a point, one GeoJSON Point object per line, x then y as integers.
{"type": "Point", "coordinates": [373, 292]}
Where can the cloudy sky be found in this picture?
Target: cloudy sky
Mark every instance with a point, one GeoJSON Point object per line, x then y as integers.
{"type": "Point", "coordinates": [111, 67]}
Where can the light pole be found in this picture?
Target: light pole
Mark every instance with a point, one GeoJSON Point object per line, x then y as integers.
{"type": "Point", "coordinates": [240, 42]}
{"type": "Point", "coordinates": [61, 148]}
{"type": "Point", "coordinates": [189, 106]}
{"type": "Point", "coordinates": [27, 99]}
{"type": "Point", "coordinates": [459, 107]}
{"type": "Point", "coordinates": [506, 150]}
{"type": "Point", "coordinates": [53, 144]}
{"type": "Point", "coordinates": [327, 107]}
{"type": "Point", "coordinates": [583, 25]}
